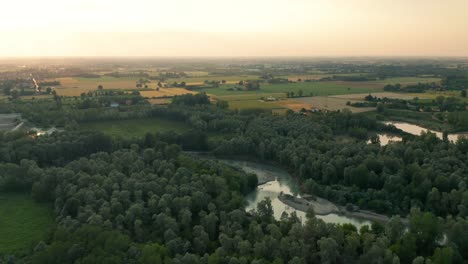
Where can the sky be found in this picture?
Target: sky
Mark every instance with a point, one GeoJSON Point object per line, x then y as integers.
{"type": "Point", "coordinates": [229, 28]}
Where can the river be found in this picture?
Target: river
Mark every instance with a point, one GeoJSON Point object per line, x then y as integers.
{"type": "Point", "coordinates": [274, 181]}
{"type": "Point", "coordinates": [414, 130]}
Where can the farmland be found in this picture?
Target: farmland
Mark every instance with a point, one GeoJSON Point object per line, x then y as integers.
{"type": "Point", "coordinates": [312, 88]}
{"type": "Point", "coordinates": [134, 127]}
{"type": "Point", "coordinates": [23, 223]}
{"type": "Point", "coordinates": [329, 103]}
{"type": "Point", "coordinates": [246, 104]}
{"type": "Point", "coordinates": [164, 92]}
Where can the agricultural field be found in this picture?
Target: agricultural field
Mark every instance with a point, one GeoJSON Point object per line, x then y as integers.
{"type": "Point", "coordinates": [409, 80]}
{"type": "Point", "coordinates": [23, 222]}
{"type": "Point", "coordinates": [198, 80]}
{"type": "Point", "coordinates": [159, 101]}
{"type": "Point", "coordinates": [308, 88]}
{"type": "Point", "coordinates": [165, 92]}
{"type": "Point", "coordinates": [324, 102]}
{"type": "Point", "coordinates": [391, 95]}
{"type": "Point", "coordinates": [134, 127]}
{"type": "Point", "coordinates": [75, 86]}
{"type": "Point", "coordinates": [259, 104]}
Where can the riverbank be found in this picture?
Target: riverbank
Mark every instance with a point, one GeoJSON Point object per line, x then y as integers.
{"type": "Point", "coordinates": [266, 171]}
{"type": "Point", "coordinates": [272, 179]}
{"type": "Point", "coordinates": [322, 206]}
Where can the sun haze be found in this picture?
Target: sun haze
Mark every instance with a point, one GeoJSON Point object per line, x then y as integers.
{"type": "Point", "coordinates": [234, 28]}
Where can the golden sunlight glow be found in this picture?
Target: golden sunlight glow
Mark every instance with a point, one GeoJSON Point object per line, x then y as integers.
{"type": "Point", "coordinates": [233, 28]}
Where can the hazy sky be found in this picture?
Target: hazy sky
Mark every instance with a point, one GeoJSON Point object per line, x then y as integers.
{"type": "Point", "coordinates": [234, 28]}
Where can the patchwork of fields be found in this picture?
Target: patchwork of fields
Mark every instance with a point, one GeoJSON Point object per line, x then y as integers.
{"type": "Point", "coordinates": [338, 93]}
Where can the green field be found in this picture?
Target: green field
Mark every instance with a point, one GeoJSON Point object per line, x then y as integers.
{"type": "Point", "coordinates": [134, 127]}
{"type": "Point", "coordinates": [314, 88]}
{"type": "Point", "coordinates": [23, 223]}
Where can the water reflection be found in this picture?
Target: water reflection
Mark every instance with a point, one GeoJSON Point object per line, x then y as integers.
{"type": "Point", "coordinates": [417, 130]}
{"type": "Point", "coordinates": [281, 181]}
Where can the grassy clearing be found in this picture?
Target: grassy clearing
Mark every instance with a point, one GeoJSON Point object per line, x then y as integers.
{"type": "Point", "coordinates": [23, 223]}
{"type": "Point", "coordinates": [135, 127]}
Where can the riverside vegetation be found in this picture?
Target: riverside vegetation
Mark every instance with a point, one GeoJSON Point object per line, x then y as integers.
{"type": "Point", "coordinates": [142, 200]}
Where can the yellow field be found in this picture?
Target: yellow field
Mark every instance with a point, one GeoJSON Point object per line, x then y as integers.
{"type": "Point", "coordinates": [160, 101]}
{"type": "Point", "coordinates": [92, 83]}
{"type": "Point", "coordinates": [166, 92]}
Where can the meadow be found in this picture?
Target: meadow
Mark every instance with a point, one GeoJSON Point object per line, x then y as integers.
{"type": "Point", "coordinates": [23, 222]}
{"type": "Point", "coordinates": [134, 127]}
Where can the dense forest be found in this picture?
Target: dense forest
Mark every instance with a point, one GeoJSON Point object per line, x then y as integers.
{"type": "Point", "coordinates": [145, 200]}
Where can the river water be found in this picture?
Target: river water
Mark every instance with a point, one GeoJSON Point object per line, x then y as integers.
{"type": "Point", "coordinates": [414, 130]}
{"type": "Point", "coordinates": [275, 181]}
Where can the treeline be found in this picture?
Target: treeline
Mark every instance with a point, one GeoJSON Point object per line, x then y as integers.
{"type": "Point", "coordinates": [412, 88]}
{"type": "Point", "coordinates": [106, 98]}
{"type": "Point", "coordinates": [456, 81]}
{"type": "Point", "coordinates": [49, 83]}
{"type": "Point", "coordinates": [349, 78]}
{"type": "Point", "coordinates": [439, 104]}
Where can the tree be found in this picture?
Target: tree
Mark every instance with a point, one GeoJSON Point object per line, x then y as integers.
{"type": "Point", "coordinates": [380, 108]}
{"type": "Point", "coordinates": [265, 210]}
{"type": "Point", "coordinates": [100, 87]}
{"type": "Point", "coordinates": [153, 254]}
{"type": "Point", "coordinates": [443, 255]}
{"type": "Point", "coordinates": [463, 93]}
{"type": "Point", "coordinates": [222, 104]}
{"type": "Point", "coordinates": [394, 229]}
{"type": "Point", "coordinates": [328, 250]}
{"type": "Point", "coordinates": [426, 229]}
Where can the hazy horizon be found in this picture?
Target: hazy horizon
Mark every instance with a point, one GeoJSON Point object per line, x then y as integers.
{"type": "Point", "coordinates": [208, 28]}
